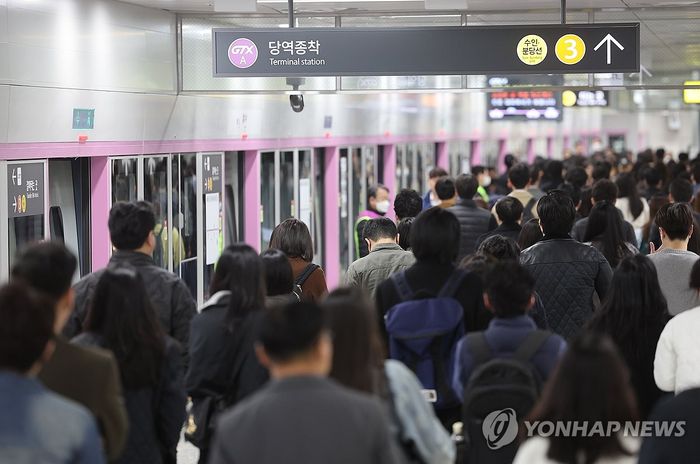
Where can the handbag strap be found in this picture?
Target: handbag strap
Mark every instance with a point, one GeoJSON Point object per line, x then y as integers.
{"type": "Point", "coordinates": [243, 346]}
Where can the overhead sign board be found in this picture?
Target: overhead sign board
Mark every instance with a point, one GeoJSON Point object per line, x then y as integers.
{"type": "Point", "coordinates": [25, 189]}
{"type": "Point", "coordinates": [546, 49]}
{"type": "Point", "coordinates": [586, 98]}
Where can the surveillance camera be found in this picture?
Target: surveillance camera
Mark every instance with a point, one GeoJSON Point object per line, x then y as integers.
{"type": "Point", "coordinates": [297, 103]}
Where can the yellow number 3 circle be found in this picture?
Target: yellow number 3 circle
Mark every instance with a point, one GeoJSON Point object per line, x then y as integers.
{"type": "Point", "coordinates": [570, 49]}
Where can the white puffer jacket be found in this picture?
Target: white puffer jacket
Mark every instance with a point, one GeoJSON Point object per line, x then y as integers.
{"type": "Point", "coordinates": [677, 360]}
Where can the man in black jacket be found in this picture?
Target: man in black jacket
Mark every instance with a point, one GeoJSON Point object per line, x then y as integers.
{"type": "Point", "coordinates": [510, 214]}
{"type": "Point", "coordinates": [473, 221]}
{"type": "Point", "coordinates": [568, 273]}
{"type": "Point", "coordinates": [131, 227]}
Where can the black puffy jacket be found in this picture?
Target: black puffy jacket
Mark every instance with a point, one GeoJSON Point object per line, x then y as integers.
{"type": "Point", "coordinates": [474, 222]}
{"type": "Point", "coordinates": [156, 414]}
{"type": "Point", "coordinates": [567, 273]}
{"type": "Point", "coordinates": [169, 296]}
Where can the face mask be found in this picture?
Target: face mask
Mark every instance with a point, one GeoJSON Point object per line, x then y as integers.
{"type": "Point", "coordinates": [383, 206]}
{"type": "Point", "coordinates": [487, 181]}
{"type": "Point", "coordinates": [597, 147]}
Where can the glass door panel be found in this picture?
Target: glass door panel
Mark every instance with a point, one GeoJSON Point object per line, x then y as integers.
{"type": "Point", "coordinates": [400, 163]}
{"type": "Point", "coordinates": [286, 183]}
{"type": "Point", "coordinates": [370, 164]}
{"type": "Point", "coordinates": [319, 199]}
{"type": "Point", "coordinates": [304, 192]}
{"type": "Point", "coordinates": [124, 179]}
{"type": "Point", "coordinates": [185, 205]}
{"type": "Point", "coordinates": [345, 217]}
{"type": "Point", "coordinates": [412, 175]}
{"type": "Point", "coordinates": [155, 191]}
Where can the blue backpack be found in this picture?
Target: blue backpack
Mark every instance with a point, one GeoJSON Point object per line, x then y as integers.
{"type": "Point", "coordinates": [423, 334]}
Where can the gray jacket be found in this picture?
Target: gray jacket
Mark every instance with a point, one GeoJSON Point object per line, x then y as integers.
{"type": "Point", "coordinates": [303, 420]}
{"type": "Point", "coordinates": [169, 296]}
{"type": "Point", "coordinates": [381, 263]}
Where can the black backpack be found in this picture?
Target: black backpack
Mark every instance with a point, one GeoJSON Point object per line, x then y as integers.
{"type": "Point", "coordinates": [299, 281]}
{"type": "Point", "coordinates": [511, 384]}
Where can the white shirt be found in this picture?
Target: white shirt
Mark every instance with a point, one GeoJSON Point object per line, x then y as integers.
{"type": "Point", "coordinates": [677, 360]}
{"type": "Point", "coordinates": [534, 451]}
{"type": "Point", "coordinates": [623, 204]}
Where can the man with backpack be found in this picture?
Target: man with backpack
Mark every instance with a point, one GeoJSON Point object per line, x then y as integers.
{"type": "Point", "coordinates": [506, 365]}
{"type": "Point", "coordinates": [427, 308]}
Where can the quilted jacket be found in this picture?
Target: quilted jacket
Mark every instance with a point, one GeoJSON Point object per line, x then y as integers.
{"type": "Point", "coordinates": [473, 221]}
{"type": "Point", "coordinates": [168, 293]}
{"type": "Point", "coordinates": [567, 273]}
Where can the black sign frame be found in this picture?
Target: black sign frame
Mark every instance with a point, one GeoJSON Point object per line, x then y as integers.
{"type": "Point", "coordinates": [428, 50]}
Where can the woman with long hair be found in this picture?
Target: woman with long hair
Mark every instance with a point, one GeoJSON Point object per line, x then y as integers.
{"type": "Point", "coordinates": [358, 363]}
{"type": "Point", "coordinates": [584, 208]}
{"type": "Point", "coordinates": [633, 314]}
{"type": "Point", "coordinates": [219, 334]}
{"type": "Point", "coordinates": [121, 319]}
{"type": "Point", "coordinates": [530, 234]}
{"type": "Point", "coordinates": [634, 208]}
{"type": "Point", "coordinates": [604, 232]}
{"type": "Point", "coordinates": [590, 385]}
{"type": "Point", "coordinates": [656, 202]}
{"type": "Point", "coordinates": [279, 278]}
{"type": "Point", "coordinates": [293, 238]}
{"type": "Point", "coordinates": [404, 233]}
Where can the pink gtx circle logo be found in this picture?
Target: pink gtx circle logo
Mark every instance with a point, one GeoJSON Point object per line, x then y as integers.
{"type": "Point", "coordinates": [243, 53]}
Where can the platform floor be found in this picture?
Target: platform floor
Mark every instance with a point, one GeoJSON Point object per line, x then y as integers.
{"type": "Point", "coordinates": [186, 453]}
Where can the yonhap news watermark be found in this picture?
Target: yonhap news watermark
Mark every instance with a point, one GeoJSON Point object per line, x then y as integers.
{"type": "Point", "coordinates": [501, 428]}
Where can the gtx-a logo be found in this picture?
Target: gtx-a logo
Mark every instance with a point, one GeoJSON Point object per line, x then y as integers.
{"type": "Point", "coordinates": [243, 53]}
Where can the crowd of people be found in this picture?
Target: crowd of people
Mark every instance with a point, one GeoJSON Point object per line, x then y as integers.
{"type": "Point", "coordinates": [559, 291]}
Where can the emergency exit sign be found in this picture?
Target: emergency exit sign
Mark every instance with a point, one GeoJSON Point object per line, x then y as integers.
{"type": "Point", "coordinates": [83, 119]}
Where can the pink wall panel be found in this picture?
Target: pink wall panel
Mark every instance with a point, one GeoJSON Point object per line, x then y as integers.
{"type": "Point", "coordinates": [99, 211]}
{"type": "Point", "coordinates": [476, 153]}
{"type": "Point", "coordinates": [252, 199]}
{"type": "Point", "coordinates": [443, 159]}
{"type": "Point", "coordinates": [332, 216]}
{"type": "Point", "coordinates": [390, 176]}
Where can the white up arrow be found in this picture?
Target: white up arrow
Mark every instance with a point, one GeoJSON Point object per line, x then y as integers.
{"type": "Point", "coordinates": [608, 38]}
